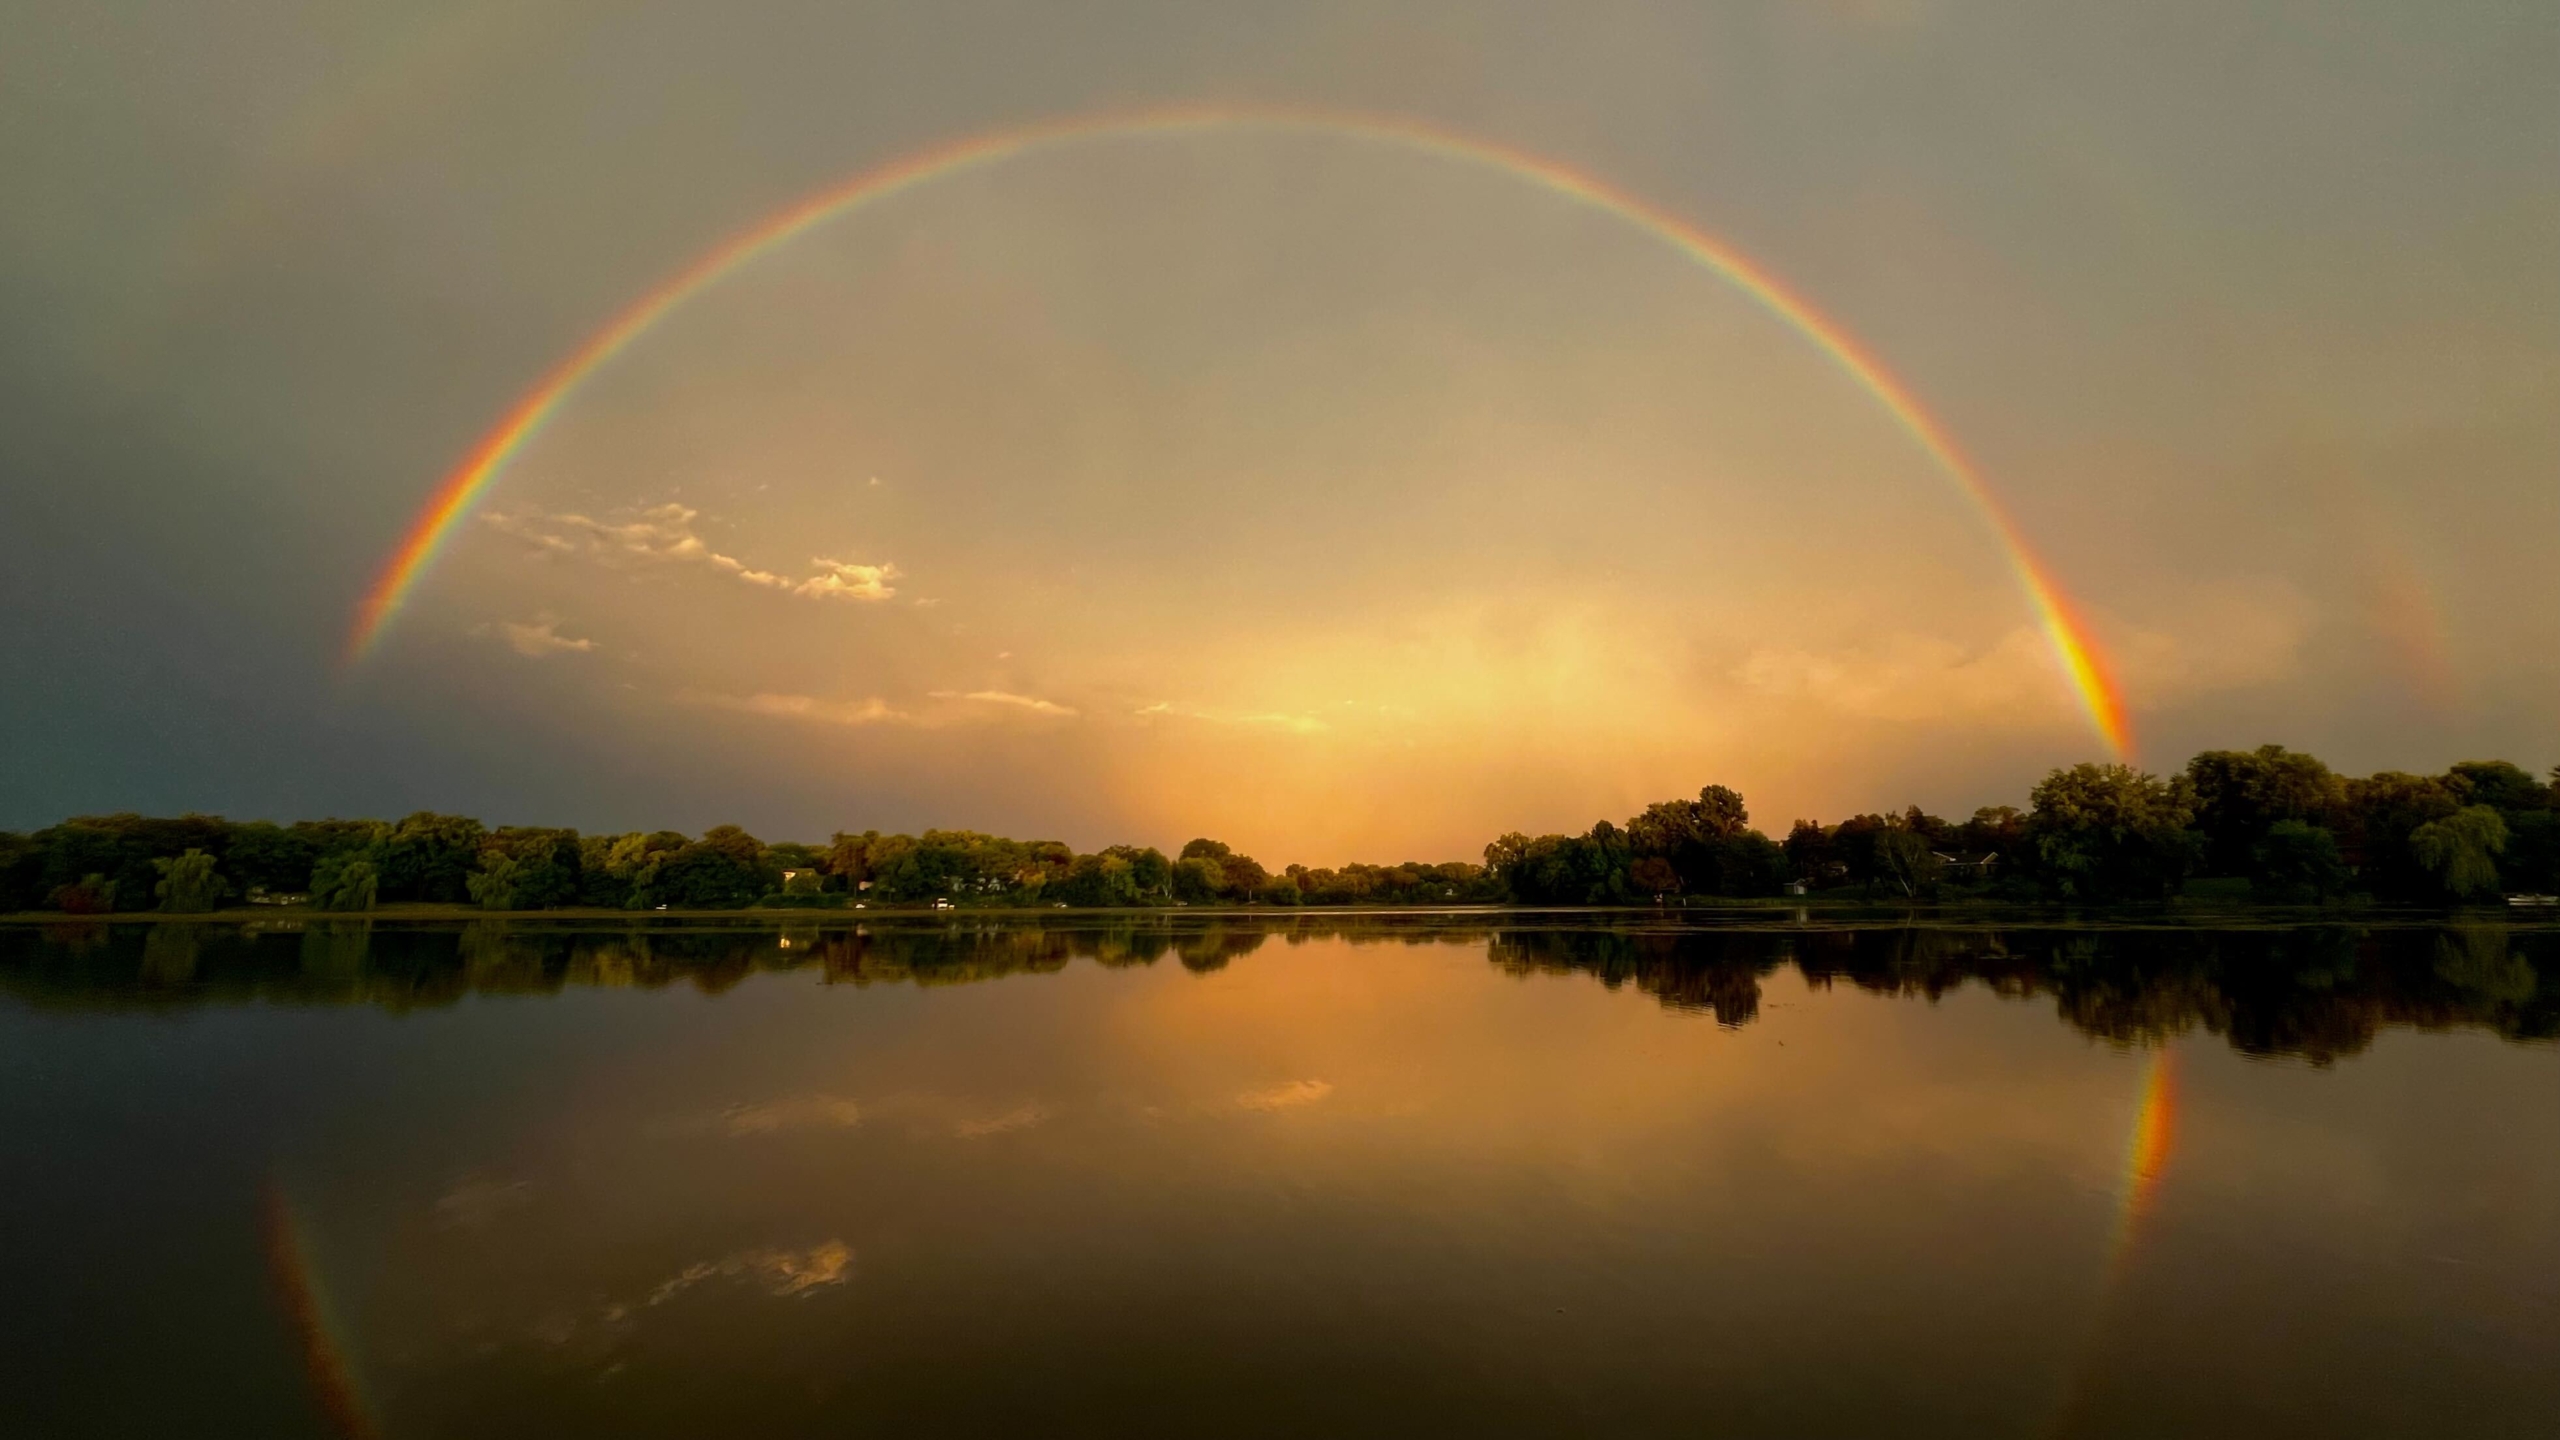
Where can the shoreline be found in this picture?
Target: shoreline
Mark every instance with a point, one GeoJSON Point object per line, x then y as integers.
{"type": "Point", "coordinates": [1806, 910]}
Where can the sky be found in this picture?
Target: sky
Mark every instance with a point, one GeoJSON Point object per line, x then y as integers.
{"type": "Point", "coordinates": [1292, 483]}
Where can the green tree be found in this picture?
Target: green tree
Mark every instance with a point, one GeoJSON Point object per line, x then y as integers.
{"type": "Point", "coordinates": [2532, 859]}
{"type": "Point", "coordinates": [123, 849]}
{"type": "Point", "coordinates": [2111, 832]}
{"type": "Point", "coordinates": [430, 857]}
{"type": "Point", "coordinates": [1853, 849]}
{"type": "Point", "coordinates": [1653, 875]}
{"type": "Point", "coordinates": [188, 884]}
{"type": "Point", "coordinates": [1110, 879]}
{"type": "Point", "coordinates": [1811, 856]}
{"type": "Point", "coordinates": [1696, 838]}
{"type": "Point", "coordinates": [1210, 870]}
{"type": "Point", "coordinates": [1904, 859]}
{"type": "Point", "coordinates": [621, 871]}
{"type": "Point", "coordinates": [2384, 810]}
{"type": "Point", "coordinates": [2298, 861]}
{"type": "Point", "coordinates": [2461, 851]}
{"type": "Point", "coordinates": [544, 871]}
{"type": "Point", "coordinates": [1587, 869]}
{"type": "Point", "coordinates": [723, 870]}
{"type": "Point", "coordinates": [493, 885]}
{"type": "Point", "coordinates": [21, 872]}
{"type": "Point", "coordinates": [263, 856]}
{"type": "Point", "coordinates": [2241, 794]}
{"type": "Point", "coordinates": [1198, 880]}
{"type": "Point", "coordinates": [347, 880]}
{"type": "Point", "coordinates": [2506, 788]}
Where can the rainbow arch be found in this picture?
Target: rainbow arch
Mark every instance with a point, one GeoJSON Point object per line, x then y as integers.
{"type": "Point", "coordinates": [2083, 664]}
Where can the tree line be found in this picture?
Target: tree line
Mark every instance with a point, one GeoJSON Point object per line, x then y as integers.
{"type": "Point", "coordinates": [2276, 821]}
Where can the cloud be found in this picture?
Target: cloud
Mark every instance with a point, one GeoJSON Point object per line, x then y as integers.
{"type": "Point", "coordinates": [2209, 639]}
{"type": "Point", "coordinates": [1019, 1118]}
{"type": "Point", "coordinates": [782, 1272]}
{"type": "Point", "coordinates": [1031, 703]}
{"type": "Point", "coordinates": [665, 535]}
{"type": "Point", "coordinates": [1914, 677]}
{"type": "Point", "coordinates": [537, 639]}
{"type": "Point", "coordinates": [957, 709]}
{"type": "Point", "coordinates": [661, 533]}
{"type": "Point", "coordinates": [2230, 635]}
{"type": "Point", "coordinates": [1270, 719]}
{"type": "Point", "coordinates": [872, 711]}
{"type": "Point", "coordinates": [1286, 1096]}
{"type": "Point", "coordinates": [802, 1112]}
{"type": "Point", "coordinates": [843, 580]}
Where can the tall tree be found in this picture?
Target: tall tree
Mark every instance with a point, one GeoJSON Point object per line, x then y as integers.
{"type": "Point", "coordinates": [2383, 811]}
{"type": "Point", "coordinates": [188, 884]}
{"type": "Point", "coordinates": [2241, 794]}
{"type": "Point", "coordinates": [428, 857]}
{"type": "Point", "coordinates": [2111, 832]}
{"type": "Point", "coordinates": [345, 880]}
{"type": "Point", "coordinates": [2460, 851]}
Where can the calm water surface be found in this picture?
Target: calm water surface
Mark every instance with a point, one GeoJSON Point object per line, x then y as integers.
{"type": "Point", "coordinates": [1329, 1177]}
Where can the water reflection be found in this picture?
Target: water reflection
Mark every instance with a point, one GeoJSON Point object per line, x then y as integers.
{"type": "Point", "coordinates": [2318, 992]}
{"type": "Point", "coordinates": [1338, 1175]}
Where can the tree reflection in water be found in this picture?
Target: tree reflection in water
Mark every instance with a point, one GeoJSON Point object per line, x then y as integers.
{"type": "Point", "coordinates": [2316, 991]}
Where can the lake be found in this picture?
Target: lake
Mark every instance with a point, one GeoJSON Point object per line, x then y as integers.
{"type": "Point", "coordinates": [1312, 1175]}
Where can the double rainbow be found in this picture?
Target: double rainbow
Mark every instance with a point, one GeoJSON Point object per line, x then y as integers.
{"type": "Point", "coordinates": [2083, 664]}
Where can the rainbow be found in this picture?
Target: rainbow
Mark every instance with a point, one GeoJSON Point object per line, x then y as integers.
{"type": "Point", "coordinates": [2082, 663]}
{"type": "Point", "coordinates": [2147, 1149]}
{"type": "Point", "coordinates": [306, 1310]}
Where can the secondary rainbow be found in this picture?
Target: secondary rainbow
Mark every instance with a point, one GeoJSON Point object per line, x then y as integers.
{"type": "Point", "coordinates": [2082, 662]}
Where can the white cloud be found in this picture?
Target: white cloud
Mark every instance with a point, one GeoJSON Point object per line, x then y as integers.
{"type": "Point", "coordinates": [1286, 1096]}
{"type": "Point", "coordinates": [959, 707]}
{"type": "Point", "coordinates": [537, 639]}
{"type": "Point", "coordinates": [1032, 703]}
{"type": "Point", "coordinates": [1268, 719]}
{"type": "Point", "coordinates": [665, 535]}
{"type": "Point", "coordinates": [872, 711]}
{"type": "Point", "coordinates": [843, 580]}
